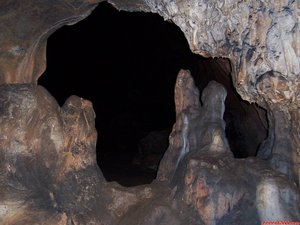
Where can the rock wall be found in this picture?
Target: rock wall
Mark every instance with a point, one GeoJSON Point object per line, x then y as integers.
{"type": "Point", "coordinates": [48, 172]}
{"type": "Point", "coordinates": [261, 40]}
{"type": "Point", "coordinates": [25, 27]}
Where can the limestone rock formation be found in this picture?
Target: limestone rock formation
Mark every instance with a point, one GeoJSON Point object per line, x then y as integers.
{"type": "Point", "coordinates": [48, 172]}
{"type": "Point", "coordinates": [48, 164]}
{"type": "Point", "coordinates": [246, 124]}
{"type": "Point", "coordinates": [25, 27]}
{"type": "Point", "coordinates": [261, 39]}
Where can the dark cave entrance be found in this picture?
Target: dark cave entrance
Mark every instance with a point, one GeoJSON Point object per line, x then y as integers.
{"type": "Point", "coordinates": [126, 64]}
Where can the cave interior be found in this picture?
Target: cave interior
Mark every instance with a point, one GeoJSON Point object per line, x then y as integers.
{"type": "Point", "coordinates": [143, 112]}
{"type": "Point", "coordinates": [126, 64]}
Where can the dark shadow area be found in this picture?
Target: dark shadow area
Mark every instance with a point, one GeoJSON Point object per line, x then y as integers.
{"type": "Point", "coordinates": [126, 64]}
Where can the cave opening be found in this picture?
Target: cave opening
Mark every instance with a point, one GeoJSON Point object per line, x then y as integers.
{"type": "Point", "coordinates": [126, 64]}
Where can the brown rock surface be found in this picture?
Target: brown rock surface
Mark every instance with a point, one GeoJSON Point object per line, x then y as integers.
{"type": "Point", "coordinates": [48, 173]}
{"type": "Point", "coordinates": [25, 27]}
{"type": "Point", "coordinates": [261, 40]}
{"type": "Point", "coordinates": [48, 165]}
{"type": "Point", "coordinates": [208, 179]}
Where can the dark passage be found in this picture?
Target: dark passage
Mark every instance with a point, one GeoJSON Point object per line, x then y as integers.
{"type": "Point", "coordinates": [126, 64]}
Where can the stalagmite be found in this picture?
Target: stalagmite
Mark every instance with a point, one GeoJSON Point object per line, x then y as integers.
{"type": "Point", "coordinates": [48, 170]}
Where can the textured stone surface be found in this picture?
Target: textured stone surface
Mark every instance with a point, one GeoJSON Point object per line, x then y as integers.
{"type": "Point", "coordinates": [261, 40]}
{"type": "Point", "coordinates": [48, 173]}
{"type": "Point", "coordinates": [207, 179]}
{"type": "Point", "coordinates": [189, 117]}
{"type": "Point", "coordinates": [25, 27]}
{"type": "Point", "coordinates": [48, 164]}
{"type": "Point", "coordinates": [246, 124]}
